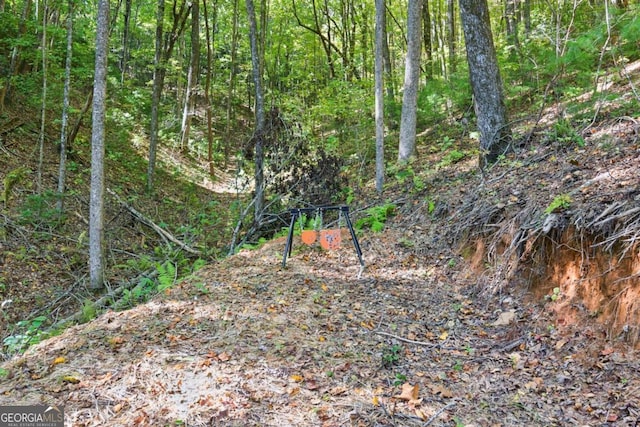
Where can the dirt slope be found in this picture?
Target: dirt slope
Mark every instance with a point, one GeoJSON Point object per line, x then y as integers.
{"type": "Point", "coordinates": [411, 342]}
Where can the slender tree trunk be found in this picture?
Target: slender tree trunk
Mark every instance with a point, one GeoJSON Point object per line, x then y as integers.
{"type": "Point", "coordinates": [388, 68]}
{"type": "Point", "coordinates": [260, 115]}
{"type": "Point", "coordinates": [124, 56]}
{"type": "Point", "coordinates": [96, 199]}
{"type": "Point", "coordinates": [408, 118]}
{"type": "Point", "coordinates": [207, 84]}
{"type": "Point", "coordinates": [379, 93]}
{"type": "Point", "coordinates": [44, 97]}
{"type": "Point", "coordinates": [231, 83]}
{"type": "Point", "coordinates": [158, 78]}
{"type": "Point", "coordinates": [451, 35]}
{"type": "Point", "coordinates": [62, 172]}
{"type": "Point", "coordinates": [486, 83]}
{"type": "Point", "coordinates": [164, 48]}
{"type": "Point", "coordinates": [192, 76]}
{"type": "Point", "coordinates": [426, 39]}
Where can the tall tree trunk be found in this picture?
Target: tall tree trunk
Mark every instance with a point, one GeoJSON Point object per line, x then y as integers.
{"type": "Point", "coordinates": [62, 171]}
{"type": "Point", "coordinates": [231, 83]}
{"type": "Point", "coordinates": [158, 79]}
{"type": "Point", "coordinates": [426, 39]}
{"type": "Point", "coordinates": [379, 93]}
{"type": "Point", "coordinates": [165, 42]}
{"type": "Point", "coordinates": [258, 134]}
{"type": "Point", "coordinates": [192, 76]}
{"type": "Point", "coordinates": [43, 111]}
{"type": "Point", "coordinates": [124, 55]}
{"type": "Point", "coordinates": [451, 35]}
{"type": "Point", "coordinates": [407, 146]}
{"type": "Point", "coordinates": [388, 68]}
{"type": "Point", "coordinates": [207, 85]}
{"type": "Point", "coordinates": [486, 83]}
{"type": "Point", "coordinates": [96, 199]}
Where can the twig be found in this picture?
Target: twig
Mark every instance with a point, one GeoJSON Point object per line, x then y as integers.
{"type": "Point", "coordinates": [426, 344]}
{"type": "Point", "coordinates": [441, 410]}
{"type": "Point", "coordinates": [146, 221]}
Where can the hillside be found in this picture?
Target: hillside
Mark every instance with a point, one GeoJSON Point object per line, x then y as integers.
{"type": "Point", "coordinates": [500, 297]}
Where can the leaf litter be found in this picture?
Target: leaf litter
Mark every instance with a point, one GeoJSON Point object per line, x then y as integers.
{"type": "Point", "coordinates": [246, 343]}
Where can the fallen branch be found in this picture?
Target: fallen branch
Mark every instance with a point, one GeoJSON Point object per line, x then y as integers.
{"type": "Point", "coordinates": [422, 343]}
{"type": "Point", "coordinates": [146, 221]}
{"type": "Point", "coordinates": [106, 300]}
{"type": "Point", "coordinates": [441, 410]}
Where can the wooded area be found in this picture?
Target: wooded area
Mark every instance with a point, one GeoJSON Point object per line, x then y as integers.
{"type": "Point", "coordinates": [140, 141]}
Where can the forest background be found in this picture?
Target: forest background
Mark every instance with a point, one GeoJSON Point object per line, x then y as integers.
{"type": "Point", "coordinates": [183, 85]}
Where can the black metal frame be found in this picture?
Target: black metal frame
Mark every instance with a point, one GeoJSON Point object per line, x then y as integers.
{"type": "Point", "coordinates": [296, 212]}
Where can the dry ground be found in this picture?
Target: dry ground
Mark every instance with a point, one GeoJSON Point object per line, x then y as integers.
{"type": "Point", "coordinates": [409, 343]}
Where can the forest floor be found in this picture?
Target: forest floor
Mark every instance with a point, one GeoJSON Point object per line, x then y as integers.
{"type": "Point", "coordinates": [412, 342]}
{"type": "Point", "coordinates": [501, 298]}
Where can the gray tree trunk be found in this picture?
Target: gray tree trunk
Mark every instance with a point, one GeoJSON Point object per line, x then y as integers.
{"type": "Point", "coordinates": [260, 114]}
{"type": "Point", "coordinates": [62, 171]}
{"type": "Point", "coordinates": [407, 146]}
{"type": "Point", "coordinates": [158, 78]}
{"type": "Point", "coordinates": [379, 93]}
{"type": "Point", "coordinates": [192, 76]}
{"type": "Point", "coordinates": [486, 83]}
{"type": "Point", "coordinates": [96, 198]}
{"type": "Point", "coordinates": [43, 111]}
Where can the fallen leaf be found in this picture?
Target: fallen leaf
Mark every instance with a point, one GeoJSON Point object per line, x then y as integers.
{"type": "Point", "coordinates": [59, 360]}
{"type": "Point", "coordinates": [505, 318]}
{"type": "Point", "coordinates": [443, 336]}
{"type": "Point", "coordinates": [441, 390]}
{"type": "Point", "coordinates": [375, 401]}
{"type": "Point", "coordinates": [561, 344]}
{"type": "Point", "coordinates": [409, 392]}
{"type": "Point", "coordinates": [297, 378]}
{"type": "Point", "coordinates": [224, 357]}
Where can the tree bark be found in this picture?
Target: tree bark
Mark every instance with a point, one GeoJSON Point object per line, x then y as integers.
{"type": "Point", "coordinates": [96, 198]}
{"type": "Point", "coordinates": [192, 76]}
{"type": "Point", "coordinates": [486, 83]}
{"type": "Point", "coordinates": [258, 134]}
{"type": "Point", "coordinates": [207, 85]}
{"type": "Point", "coordinates": [43, 112]}
{"type": "Point", "coordinates": [379, 93]}
{"type": "Point", "coordinates": [62, 171]}
{"type": "Point", "coordinates": [231, 83]}
{"type": "Point", "coordinates": [408, 117]}
{"type": "Point", "coordinates": [158, 79]}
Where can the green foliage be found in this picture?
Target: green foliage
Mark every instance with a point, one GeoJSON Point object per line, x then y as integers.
{"type": "Point", "coordinates": [563, 201]}
{"type": "Point", "coordinates": [391, 355]}
{"type": "Point", "coordinates": [399, 379]}
{"type": "Point", "coordinates": [554, 295]}
{"type": "Point", "coordinates": [376, 217]}
{"type": "Point", "coordinates": [12, 178]}
{"type": "Point", "coordinates": [39, 211]}
{"type": "Point", "coordinates": [89, 311]}
{"type": "Point", "coordinates": [565, 134]}
{"type": "Point", "coordinates": [30, 334]}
